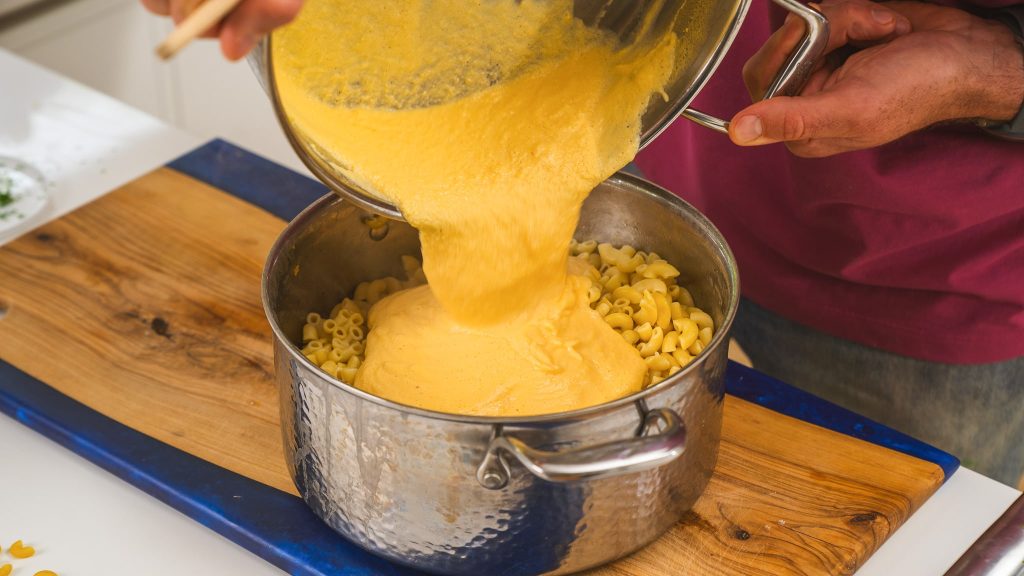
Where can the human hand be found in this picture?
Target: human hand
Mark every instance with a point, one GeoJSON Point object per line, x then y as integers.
{"type": "Point", "coordinates": [912, 65]}
{"type": "Point", "coordinates": [242, 28]}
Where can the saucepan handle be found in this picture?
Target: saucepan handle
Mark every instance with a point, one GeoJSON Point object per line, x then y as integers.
{"type": "Point", "coordinates": [643, 452]}
{"type": "Point", "coordinates": [798, 68]}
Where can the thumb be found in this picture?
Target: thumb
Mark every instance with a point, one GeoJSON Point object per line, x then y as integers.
{"type": "Point", "coordinates": [787, 119]}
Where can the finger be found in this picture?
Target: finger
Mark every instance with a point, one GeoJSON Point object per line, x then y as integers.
{"type": "Point", "coordinates": [924, 16]}
{"type": "Point", "coordinates": [851, 22]}
{"type": "Point", "coordinates": [862, 23]}
{"type": "Point", "coordinates": [213, 31]}
{"type": "Point", "coordinates": [180, 9]}
{"type": "Point", "coordinates": [766, 62]}
{"type": "Point", "coordinates": [252, 20]}
{"type": "Point", "coordinates": [160, 7]}
{"type": "Point", "coordinates": [794, 119]}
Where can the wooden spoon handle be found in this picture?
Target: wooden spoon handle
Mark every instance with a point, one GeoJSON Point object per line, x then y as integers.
{"type": "Point", "coordinates": [202, 19]}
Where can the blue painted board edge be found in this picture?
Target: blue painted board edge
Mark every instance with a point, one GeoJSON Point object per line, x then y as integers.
{"type": "Point", "coordinates": [275, 525]}
{"type": "Point", "coordinates": [272, 524]}
{"type": "Point", "coordinates": [761, 389]}
{"type": "Point", "coordinates": [278, 190]}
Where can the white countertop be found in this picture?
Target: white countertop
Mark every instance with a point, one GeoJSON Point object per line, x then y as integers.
{"type": "Point", "coordinates": [82, 142]}
{"type": "Point", "coordinates": [85, 521]}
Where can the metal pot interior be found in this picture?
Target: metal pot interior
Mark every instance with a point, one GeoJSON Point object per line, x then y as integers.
{"type": "Point", "coordinates": [328, 249]}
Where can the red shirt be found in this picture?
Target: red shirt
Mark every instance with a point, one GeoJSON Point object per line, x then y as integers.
{"type": "Point", "coordinates": [915, 247]}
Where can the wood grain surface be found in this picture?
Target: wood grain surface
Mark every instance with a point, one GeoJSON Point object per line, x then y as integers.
{"type": "Point", "coordinates": [145, 306]}
{"type": "Point", "coordinates": [788, 497]}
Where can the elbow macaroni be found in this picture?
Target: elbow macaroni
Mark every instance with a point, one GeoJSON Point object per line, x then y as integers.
{"type": "Point", "coordinates": [337, 343]}
{"type": "Point", "coordinates": [634, 291]}
{"type": "Point", "coordinates": [638, 297]}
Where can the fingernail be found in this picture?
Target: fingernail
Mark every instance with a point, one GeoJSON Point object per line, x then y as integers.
{"type": "Point", "coordinates": [881, 16]}
{"type": "Point", "coordinates": [748, 129]}
{"type": "Point", "coordinates": [902, 27]}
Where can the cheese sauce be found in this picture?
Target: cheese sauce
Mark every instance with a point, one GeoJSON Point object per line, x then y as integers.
{"type": "Point", "coordinates": [487, 123]}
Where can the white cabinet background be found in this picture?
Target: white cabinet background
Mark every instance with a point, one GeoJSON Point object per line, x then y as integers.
{"type": "Point", "coordinates": [108, 45]}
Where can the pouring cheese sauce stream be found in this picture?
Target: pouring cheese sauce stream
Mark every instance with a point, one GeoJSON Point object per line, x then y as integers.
{"type": "Point", "coordinates": [487, 123]}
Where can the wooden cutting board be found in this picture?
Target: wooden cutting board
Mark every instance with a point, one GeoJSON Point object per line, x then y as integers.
{"type": "Point", "coordinates": [144, 305]}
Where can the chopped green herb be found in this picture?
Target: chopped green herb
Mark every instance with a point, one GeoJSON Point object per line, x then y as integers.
{"type": "Point", "coordinates": [11, 214]}
{"type": "Point", "coordinates": [6, 198]}
{"type": "Point", "coordinates": [6, 191]}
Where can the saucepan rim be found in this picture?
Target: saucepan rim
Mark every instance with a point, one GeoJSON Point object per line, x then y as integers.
{"type": "Point", "coordinates": [621, 179]}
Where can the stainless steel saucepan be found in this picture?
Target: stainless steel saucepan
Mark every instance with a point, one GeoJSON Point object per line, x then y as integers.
{"type": "Point", "coordinates": [455, 494]}
{"type": "Point", "coordinates": [705, 28]}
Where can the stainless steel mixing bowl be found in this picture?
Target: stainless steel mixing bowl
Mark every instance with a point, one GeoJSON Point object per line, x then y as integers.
{"type": "Point", "coordinates": [705, 28]}
{"type": "Point", "coordinates": [455, 494]}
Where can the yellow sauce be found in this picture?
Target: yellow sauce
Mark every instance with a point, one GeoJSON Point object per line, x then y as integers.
{"type": "Point", "coordinates": [492, 169]}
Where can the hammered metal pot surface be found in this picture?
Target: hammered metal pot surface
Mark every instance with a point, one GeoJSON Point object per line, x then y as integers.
{"type": "Point", "coordinates": [402, 482]}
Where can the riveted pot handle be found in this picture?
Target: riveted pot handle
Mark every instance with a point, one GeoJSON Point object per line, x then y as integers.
{"type": "Point", "coordinates": [636, 454]}
{"type": "Point", "coordinates": [798, 68]}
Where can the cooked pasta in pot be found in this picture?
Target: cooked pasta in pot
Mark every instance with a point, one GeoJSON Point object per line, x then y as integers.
{"type": "Point", "coordinates": [634, 291]}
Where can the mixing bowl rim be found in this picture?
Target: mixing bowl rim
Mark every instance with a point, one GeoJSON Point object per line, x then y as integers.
{"type": "Point", "coordinates": [637, 184]}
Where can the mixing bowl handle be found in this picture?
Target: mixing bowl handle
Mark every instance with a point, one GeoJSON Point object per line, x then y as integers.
{"type": "Point", "coordinates": [588, 462]}
{"type": "Point", "coordinates": [797, 69]}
